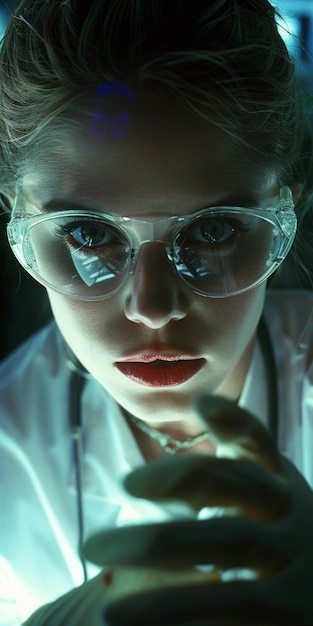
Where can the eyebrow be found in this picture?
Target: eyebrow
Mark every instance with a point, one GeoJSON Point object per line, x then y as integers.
{"type": "Point", "coordinates": [64, 205]}
{"type": "Point", "coordinates": [57, 204]}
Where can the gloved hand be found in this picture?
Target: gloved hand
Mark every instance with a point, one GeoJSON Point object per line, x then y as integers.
{"type": "Point", "coordinates": [266, 530]}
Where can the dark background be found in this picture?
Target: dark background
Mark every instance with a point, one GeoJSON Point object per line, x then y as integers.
{"type": "Point", "coordinates": [24, 304]}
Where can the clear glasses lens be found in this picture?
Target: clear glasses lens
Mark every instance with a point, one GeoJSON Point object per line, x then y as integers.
{"type": "Point", "coordinates": [226, 253]}
{"type": "Point", "coordinates": [217, 254]}
{"type": "Point", "coordinates": [84, 258]}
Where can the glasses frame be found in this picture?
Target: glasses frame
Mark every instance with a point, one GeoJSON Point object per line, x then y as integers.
{"type": "Point", "coordinates": [162, 230]}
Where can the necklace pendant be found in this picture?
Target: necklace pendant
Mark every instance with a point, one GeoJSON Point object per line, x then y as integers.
{"type": "Point", "coordinates": [171, 448]}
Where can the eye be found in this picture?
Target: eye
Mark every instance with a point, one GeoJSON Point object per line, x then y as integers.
{"type": "Point", "coordinates": [91, 234]}
{"type": "Point", "coordinates": [219, 230]}
{"type": "Point", "coordinates": [212, 231]}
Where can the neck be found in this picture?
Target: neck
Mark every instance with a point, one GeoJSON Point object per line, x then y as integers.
{"type": "Point", "coordinates": [155, 443]}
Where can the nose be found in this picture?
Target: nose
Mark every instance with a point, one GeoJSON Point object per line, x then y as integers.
{"type": "Point", "coordinates": [155, 296]}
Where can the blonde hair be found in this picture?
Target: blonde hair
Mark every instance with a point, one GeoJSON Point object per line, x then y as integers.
{"type": "Point", "coordinates": [222, 59]}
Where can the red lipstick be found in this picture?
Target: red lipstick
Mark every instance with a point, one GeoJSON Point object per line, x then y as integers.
{"type": "Point", "coordinates": [160, 368]}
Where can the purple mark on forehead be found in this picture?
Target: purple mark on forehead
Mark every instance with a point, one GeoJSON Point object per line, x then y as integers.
{"type": "Point", "coordinates": [109, 119]}
{"type": "Point", "coordinates": [115, 87]}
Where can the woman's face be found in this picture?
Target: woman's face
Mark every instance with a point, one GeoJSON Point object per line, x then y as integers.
{"type": "Point", "coordinates": [153, 163]}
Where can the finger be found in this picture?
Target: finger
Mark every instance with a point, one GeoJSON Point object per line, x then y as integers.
{"type": "Point", "coordinates": [204, 481]}
{"type": "Point", "coordinates": [234, 604]}
{"type": "Point", "coordinates": [225, 543]}
{"type": "Point", "coordinates": [237, 433]}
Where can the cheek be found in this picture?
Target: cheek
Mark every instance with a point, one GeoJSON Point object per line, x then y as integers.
{"type": "Point", "coordinates": [230, 323]}
{"type": "Point", "coordinates": [251, 303]}
{"type": "Point", "coordinates": [247, 305]}
{"type": "Point", "coordinates": [241, 314]}
{"type": "Point", "coordinates": [83, 324]}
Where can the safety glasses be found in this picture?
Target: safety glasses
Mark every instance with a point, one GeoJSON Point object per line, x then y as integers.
{"type": "Point", "coordinates": [218, 252]}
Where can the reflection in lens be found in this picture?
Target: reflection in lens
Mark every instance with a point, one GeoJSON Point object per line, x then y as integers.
{"type": "Point", "coordinates": [94, 269]}
{"type": "Point", "coordinates": [85, 272]}
{"type": "Point", "coordinates": [231, 264]}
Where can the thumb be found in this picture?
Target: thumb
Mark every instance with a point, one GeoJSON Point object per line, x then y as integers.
{"type": "Point", "coordinates": [236, 433]}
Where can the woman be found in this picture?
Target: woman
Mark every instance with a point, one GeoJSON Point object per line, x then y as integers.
{"type": "Point", "coordinates": [154, 169]}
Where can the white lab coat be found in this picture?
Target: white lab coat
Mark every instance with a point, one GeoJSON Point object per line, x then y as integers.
{"type": "Point", "coordinates": [38, 514]}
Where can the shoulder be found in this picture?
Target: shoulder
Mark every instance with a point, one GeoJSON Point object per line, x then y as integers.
{"type": "Point", "coordinates": [33, 381]}
{"type": "Point", "coordinates": [293, 299]}
{"type": "Point", "coordinates": [42, 351]}
{"type": "Point", "coordinates": [289, 315]}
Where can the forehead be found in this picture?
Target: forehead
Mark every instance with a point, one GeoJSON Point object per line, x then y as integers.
{"type": "Point", "coordinates": [141, 154]}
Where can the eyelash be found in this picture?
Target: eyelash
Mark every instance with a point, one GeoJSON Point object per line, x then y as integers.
{"type": "Point", "coordinates": [62, 231]}
{"type": "Point", "coordinates": [239, 227]}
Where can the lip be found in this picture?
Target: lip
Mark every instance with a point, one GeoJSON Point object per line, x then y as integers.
{"type": "Point", "coordinates": [156, 368]}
